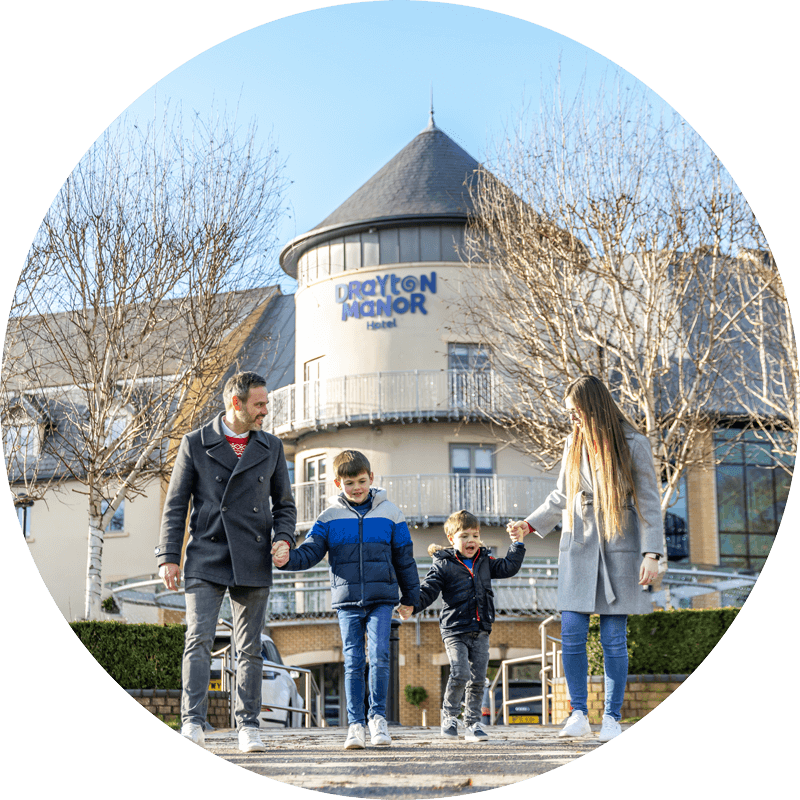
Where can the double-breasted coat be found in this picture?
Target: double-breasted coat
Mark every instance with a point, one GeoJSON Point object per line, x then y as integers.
{"type": "Point", "coordinates": [239, 507]}
{"type": "Point", "coordinates": [596, 576]}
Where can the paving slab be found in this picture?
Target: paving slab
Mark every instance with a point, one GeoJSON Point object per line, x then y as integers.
{"type": "Point", "coordinates": [419, 764]}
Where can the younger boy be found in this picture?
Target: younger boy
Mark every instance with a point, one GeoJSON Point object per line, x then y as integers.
{"type": "Point", "coordinates": [463, 574]}
{"type": "Point", "coordinates": [370, 555]}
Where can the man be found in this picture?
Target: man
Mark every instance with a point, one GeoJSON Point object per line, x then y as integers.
{"type": "Point", "coordinates": [228, 470]}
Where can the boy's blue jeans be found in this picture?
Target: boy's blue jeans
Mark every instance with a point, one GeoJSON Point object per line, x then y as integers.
{"type": "Point", "coordinates": [613, 637]}
{"type": "Point", "coordinates": [376, 623]}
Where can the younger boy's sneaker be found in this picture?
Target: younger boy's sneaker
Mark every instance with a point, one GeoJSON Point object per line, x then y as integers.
{"type": "Point", "coordinates": [449, 726]}
{"type": "Point", "coordinates": [476, 733]}
{"type": "Point", "coordinates": [379, 732]}
{"type": "Point", "coordinates": [356, 737]}
{"type": "Point", "coordinates": [576, 725]}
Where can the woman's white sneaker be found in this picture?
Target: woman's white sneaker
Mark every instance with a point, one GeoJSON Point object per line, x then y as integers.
{"type": "Point", "coordinates": [250, 741]}
{"type": "Point", "coordinates": [379, 732]}
{"type": "Point", "coordinates": [356, 737]}
{"type": "Point", "coordinates": [576, 725]}
{"type": "Point", "coordinates": [609, 729]}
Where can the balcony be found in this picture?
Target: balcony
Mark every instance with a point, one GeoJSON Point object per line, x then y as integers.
{"type": "Point", "coordinates": [385, 397]}
{"type": "Point", "coordinates": [430, 499]}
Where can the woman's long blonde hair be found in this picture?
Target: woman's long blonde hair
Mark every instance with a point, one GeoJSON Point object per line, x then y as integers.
{"type": "Point", "coordinates": [602, 433]}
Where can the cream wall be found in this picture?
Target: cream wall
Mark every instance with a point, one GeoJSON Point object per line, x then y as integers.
{"type": "Point", "coordinates": [419, 341]}
{"type": "Point", "coordinates": [59, 530]}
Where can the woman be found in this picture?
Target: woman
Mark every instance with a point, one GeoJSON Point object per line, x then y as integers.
{"type": "Point", "coordinates": [611, 541]}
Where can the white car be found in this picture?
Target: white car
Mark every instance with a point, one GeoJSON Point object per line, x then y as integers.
{"type": "Point", "coordinates": [277, 687]}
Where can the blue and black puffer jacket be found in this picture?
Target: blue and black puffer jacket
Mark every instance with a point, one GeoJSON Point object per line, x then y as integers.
{"type": "Point", "coordinates": [371, 558]}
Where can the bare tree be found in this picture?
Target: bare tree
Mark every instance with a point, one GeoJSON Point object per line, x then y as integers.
{"type": "Point", "coordinates": [605, 241]}
{"type": "Point", "coordinates": [156, 264]}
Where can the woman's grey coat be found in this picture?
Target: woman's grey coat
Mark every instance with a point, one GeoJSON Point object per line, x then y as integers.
{"type": "Point", "coordinates": [596, 576]}
{"type": "Point", "coordinates": [239, 507]}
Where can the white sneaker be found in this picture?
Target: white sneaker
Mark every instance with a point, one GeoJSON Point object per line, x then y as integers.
{"type": "Point", "coordinates": [379, 732]}
{"type": "Point", "coordinates": [194, 732]}
{"type": "Point", "coordinates": [576, 725]}
{"type": "Point", "coordinates": [609, 729]}
{"type": "Point", "coordinates": [250, 741]}
{"type": "Point", "coordinates": [476, 733]}
{"type": "Point", "coordinates": [356, 737]}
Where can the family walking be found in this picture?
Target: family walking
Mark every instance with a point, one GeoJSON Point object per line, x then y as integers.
{"type": "Point", "coordinates": [242, 522]}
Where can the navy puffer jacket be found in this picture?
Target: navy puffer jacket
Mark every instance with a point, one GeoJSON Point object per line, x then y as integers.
{"type": "Point", "coordinates": [466, 593]}
{"type": "Point", "coordinates": [371, 558]}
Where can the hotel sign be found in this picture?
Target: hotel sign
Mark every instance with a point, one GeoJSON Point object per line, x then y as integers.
{"type": "Point", "coordinates": [380, 298]}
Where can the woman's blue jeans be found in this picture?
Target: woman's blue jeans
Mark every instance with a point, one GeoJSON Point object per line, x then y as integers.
{"type": "Point", "coordinates": [376, 623]}
{"type": "Point", "coordinates": [614, 639]}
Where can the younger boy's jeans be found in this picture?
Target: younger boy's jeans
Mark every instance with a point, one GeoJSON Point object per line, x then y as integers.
{"type": "Point", "coordinates": [376, 623]}
{"type": "Point", "coordinates": [468, 654]}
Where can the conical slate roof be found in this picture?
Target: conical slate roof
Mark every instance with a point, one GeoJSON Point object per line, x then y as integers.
{"type": "Point", "coordinates": [426, 177]}
{"type": "Point", "coordinates": [426, 180]}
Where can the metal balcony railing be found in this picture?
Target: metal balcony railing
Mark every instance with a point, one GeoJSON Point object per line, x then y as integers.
{"type": "Point", "coordinates": [427, 499]}
{"type": "Point", "coordinates": [386, 397]}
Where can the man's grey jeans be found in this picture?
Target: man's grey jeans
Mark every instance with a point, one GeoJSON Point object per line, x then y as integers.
{"type": "Point", "coordinates": [249, 606]}
{"type": "Point", "coordinates": [468, 654]}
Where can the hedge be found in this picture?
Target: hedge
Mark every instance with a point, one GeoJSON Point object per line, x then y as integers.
{"type": "Point", "coordinates": [665, 642]}
{"type": "Point", "coordinates": [137, 656]}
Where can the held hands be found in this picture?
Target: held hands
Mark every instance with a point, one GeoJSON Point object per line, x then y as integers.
{"type": "Point", "coordinates": [405, 611]}
{"type": "Point", "coordinates": [518, 530]}
{"type": "Point", "coordinates": [280, 553]}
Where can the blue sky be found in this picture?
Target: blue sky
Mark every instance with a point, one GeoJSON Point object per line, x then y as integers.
{"type": "Point", "coordinates": [343, 89]}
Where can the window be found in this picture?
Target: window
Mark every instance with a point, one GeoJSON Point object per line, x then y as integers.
{"type": "Point", "coordinates": [21, 442]}
{"type": "Point", "coordinates": [313, 496]}
{"type": "Point", "coordinates": [469, 376]}
{"type": "Point", "coordinates": [472, 485]}
{"type": "Point", "coordinates": [408, 245]}
{"type": "Point", "coordinates": [751, 495]}
{"type": "Point", "coordinates": [23, 510]}
{"type": "Point", "coordinates": [676, 526]}
{"type": "Point", "coordinates": [312, 388]}
{"type": "Point", "coordinates": [117, 524]}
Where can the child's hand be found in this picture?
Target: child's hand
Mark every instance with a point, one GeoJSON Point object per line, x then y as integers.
{"type": "Point", "coordinates": [517, 530]}
{"type": "Point", "coordinates": [405, 611]}
{"type": "Point", "coordinates": [280, 553]}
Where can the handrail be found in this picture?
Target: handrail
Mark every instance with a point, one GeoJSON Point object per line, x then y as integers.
{"type": "Point", "coordinates": [386, 396]}
{"type": "Point", "coordinates": [547, 695]}
{"type": "Point", "coordinates": [532, 592]}
{"type": "Point", "coordinates": [309, 681]}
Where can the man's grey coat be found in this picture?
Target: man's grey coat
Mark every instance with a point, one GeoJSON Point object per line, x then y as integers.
{"type": "Point", "coordinates": [594, 575]}
{"type": "Point", "coordinates": [232, 525]}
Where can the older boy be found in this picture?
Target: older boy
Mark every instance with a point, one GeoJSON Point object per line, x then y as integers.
{"type": "Point", "coordinates": [370, 556]}
{"type": "Point", "coordinates": [463, 575]}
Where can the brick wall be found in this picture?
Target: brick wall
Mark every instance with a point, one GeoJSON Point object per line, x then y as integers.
{"type": "Point", "coordinates": [167, 704]}
{"type": "Point", "coordinates": [642, 694]}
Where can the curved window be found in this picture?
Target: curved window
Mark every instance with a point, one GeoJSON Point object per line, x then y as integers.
{"type": "Point", "coordinates": [388, 246]}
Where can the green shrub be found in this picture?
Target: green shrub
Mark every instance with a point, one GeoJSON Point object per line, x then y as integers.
{"type": "Point", "coordinates": [416, 695]}
{"type": "Point", "coordinates": [135, 656]}
{"type": "Point", "coordinates": [665, 642]}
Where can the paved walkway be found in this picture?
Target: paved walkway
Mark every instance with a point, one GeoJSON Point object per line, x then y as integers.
{"type": "Point", "coordinates": [419, 764]}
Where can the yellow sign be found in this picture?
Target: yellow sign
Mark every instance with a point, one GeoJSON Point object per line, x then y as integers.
{"type": "Point", "coordinates": [523, 720]}
{"type": "Point", "coordinates": [215, 686]}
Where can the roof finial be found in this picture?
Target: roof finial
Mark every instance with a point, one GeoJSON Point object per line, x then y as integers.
{"type": "Point", "coordinates": [431, 123]}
